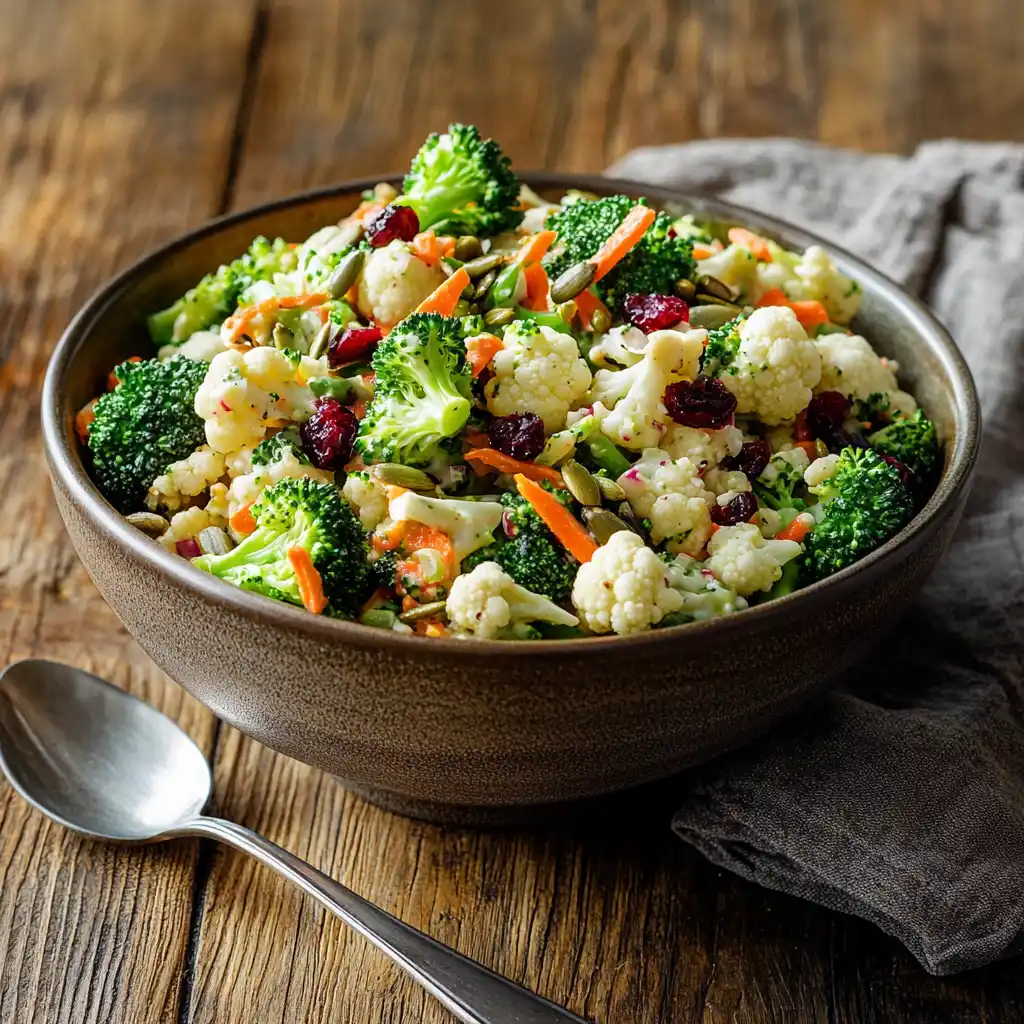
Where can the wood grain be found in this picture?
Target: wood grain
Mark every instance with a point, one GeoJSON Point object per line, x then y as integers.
{"type": "Point", "coordinates": [122, 123]}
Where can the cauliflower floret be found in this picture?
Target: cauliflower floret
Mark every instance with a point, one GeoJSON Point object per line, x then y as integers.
{"type": "Point", "coordinates": [535, 218]}
{"type": "Point", "coordinates": [810, 276]}
{"type": "Point", "coordinates": [775, 367]}
{"type": "Point", "coordinates": [735, 266]}
{"type": "Point", "coordinates": [744, 561]}
{"type": "Point", "coordinates": [313, 264]}
{"type": "Point", "coordinates": [486, 602]}
{"type": "Point", "coordinates": [851, 366]}
{"type": "Point", "coordinates": [721, 482]}
{"type": "Point", "coordinates": [469, 524]}
{"type": "Point", "coordinates": [247, 487]}
{"type": "Point", "coordinates": [243, 390]}
{"type": "Point", "coordinates": [624, 588]}
{"type": "Point", "coordinates": [627, 403]}
{"type": "Point", "coordinates": [185, 479]}
{"type": "Point", "coordinates": [821, 470]}
{"type": "Point", "coordinates": [188, 524]}
{"type": "Point", "coordinates": [201, 346]}
{"type": "Point", "coordinates": [621, 346]}
{"type": "Point", "coordinates": [394, 282]}
{"type": "Point", "coordinates": [705, 447]}
{"type": "Point", "coordinates": [368, 498]}
{"type": "Point", "coordinates": [538, 370]}
{"type": "Point", "coordinates": [670, 494]}
{"type": "Point", "coordinates": [704, 597]}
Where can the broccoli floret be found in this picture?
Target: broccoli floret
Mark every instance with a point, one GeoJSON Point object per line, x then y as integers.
{"type": "Point", "coordinates": [531, 556]}
{"type": "Point", "coordinates": [383, 569]}
{"type": "Point", "coordinates": [583, 227]}
{"type": "Point", "coordinates": [873, 409]}
{"type": "Point", "coordinates": [299, 514]}
{"type": "Point", "coordinates": [147, 422]}
{"type": "Point", "coordinates": [217, 295]}
{"type": "Point", "coordinates": [722, 347]}
{"type": "Point", "coordinates": [461, 184]}
{"type": "Point", "coordinates": [273, 449]}
{"type": "Point", "coordinates": [863, 505]}
{"type": "Point", "coordinates": [914, 442]}
{"type": "Point", "coordinates": [422, 391]}
{"type": "Point", "coordinates": [777, 484]}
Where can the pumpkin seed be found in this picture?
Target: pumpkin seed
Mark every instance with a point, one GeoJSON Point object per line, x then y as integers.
{"type": "Point", "coordinates": [214, 541]}
{"type": "Point", "coordinates": [467, 247]}
{"type": "Point", "coordinates": [609, 488]}
{"type": "Point", "coordinates": [148, 522]}
{"type": "Point", "coordinates": [712, 286]}
{"type": "Point", "coordinates": [385, 191]}
{"type": "Point", "coordinates": [461, 308]}
{"type": "Point", "coordinates": [567, 311]}
{"type": "Point", "coordinates": [628, 516]}
{"type": "Point", "coordinates": [820, 448]}
{"type": "Point", "coordinates": [572, 281]}
{"type": "Point", "coordinates": [707, 299]}
{"type": "Point", "coordinates": [712, 316]}
{"type": "Point", "coordinates": [499, 317]}
{"type": "Point", "coordinates": [344, 274]}
{"type": "Point", "coordinates": [483, 286]}
{"type": "Point", "coordinates": [320, 343]}
{"type": "Point", "coordinates": [602, 523]}
{"type": "Point", "coordinates": [482, 264]}
{"type": "Point", "coordinates": [403, 476]}
{"type": "Point", "coordinates": [685, 289]}
{"type": "Point", "coordinates": [431, 610]}
{"type": "Point", "coordinates": [580, 483]}
{"type": "Point", "coordinates": [281, 336]}
{"type": "Point", "coordinates": [600, 321]}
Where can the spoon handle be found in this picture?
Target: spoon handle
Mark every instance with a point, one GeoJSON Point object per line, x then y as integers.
{"type": "Point", "coordinates": [473, 993]}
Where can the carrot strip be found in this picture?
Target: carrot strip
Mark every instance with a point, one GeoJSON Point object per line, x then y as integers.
{"type": "Point", "coordinates": [477, 439]}
{"type": "Point", "coordinates": [797, 530]}
{"type": "Point", "coordinates": [773, 297]}
{"type": "Point", "coordinates": [295, 302]}
{"type": "Point", "coordinates": [390, 540]}
{"type": "Point", "coordinates": [536, 278]}
{"type": "Point", "coordinates": [633, 227]}
{"type": "Point", "coordinates": [481, 350]}
{"type": "Point", "coordinates": [810, 313]}
{"type": "Point", "coordinates": [755, 243]}
{"type": "Point", "coordinates": [702, 252]}
{"type": "Point", "coordinates": [83, 420]}
{"type": "Point", "coordinates": [535, 246]}
{"type": "Point", "coordinates": [417, 536]}
{"type": "Point", "coordinates": [809, 447]}
{"type": "Point", "coordinates": [444, 298]}
{"type": "Point", "coordinates": [506, 464]}
{"type": "Point", "coordinates": [429, 248]}
{"type": "Point", "coordinates": [587, 304]}
{"type": "Point", "coordinates": [242, 522]}
{"type": "Point", "coordinates": [558, 519]}
{"type": "Point", "coordinates": [311, 586]}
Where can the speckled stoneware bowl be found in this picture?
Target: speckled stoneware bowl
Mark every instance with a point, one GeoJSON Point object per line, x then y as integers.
{"type": "Point", "coordinates": [485, 730]}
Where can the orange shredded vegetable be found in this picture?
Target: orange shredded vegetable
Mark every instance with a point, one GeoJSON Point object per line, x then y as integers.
{"type": "Point", "coordinates": [311, 586]}
{"type": "Point", "coordinates": [481, 350]}
{"type": "Point", "coordinates": [587, 304]}
{"type": "Point", "coordinates": [702, 252]}
{"type": "Point", "coordinates": [797, 530]}
{"type": "Point", "coordinates": [242, 522]}
{"type": "Point", "coordinates": [633, 227]}
{"type": "Point", "coordinates": [430, 248]}
{"type": "Point", "coordinates": [536, 278]}
{"type": "Point", "coordinates": [773, 297]}
{"type": "Point", "coordinates": [534, 248]}
{"type": "Point", "coordinates": [755, 243]}
{"type": "Point", "coordinates": [811, 313]}
{"type": "Point", "coordinates": [558, 519]}
{"type": "Point", "coordinates": [503, 463]}
{"type": "Point", "coordinates": [83, 420]}
{"type": "Point", "coordinates": [444, 298]}
{"type": "Point", "coordinates": [809, 447]}
{"type": "Point", "coordinates": [416, 536]}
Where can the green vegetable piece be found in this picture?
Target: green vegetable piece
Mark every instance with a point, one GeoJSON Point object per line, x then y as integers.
{"type": "Point", "coordinates": [503, 291]}
{"type": "Point", "coordinates": [914, 442]}
{"type": "Point", "coordinates": [274, 448]}
{"type": "Point", "coordinates": [332, 387]}
{"type": "Point", "coordinates": [543, 319]}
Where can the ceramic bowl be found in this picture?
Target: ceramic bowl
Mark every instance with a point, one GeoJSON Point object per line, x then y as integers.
{"type": "Point", "coordinates": [459, 730]}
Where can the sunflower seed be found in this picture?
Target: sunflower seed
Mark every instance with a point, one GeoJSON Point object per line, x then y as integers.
{"type": "Point", "coordinates": [281, 336]}
{"type": "Point", "coordinates": [602, 523]}
{"type": "Point", "coordinates": [609, 488]}
{"type": "Point", "coordinates": [567, 311]}
{"type": "Point", "coordinates": [712, 316]}
{"type": "Point", "coordinates": [214, 541]}
{"type": "Point", "coordinates": [320, 343]}
{"type": "Point", "coordinates": [482, 264]}
{"type": "Point", "coordinates": [345, 274]}
{"type": "Point", "coordinates": [148, 522]}
{"type": "Point", "coordinates": [403, 476]}
{"type": "Point", "coordinates": [483, 286]}
{"type": "Point", "coordinates": [499, 317]}
{"type": "Point", "coordinates": [572, 281]}
{"type": "Point", "coordinates": [580, 484]}
{"type": "Point", "coordinates": [600, 321]}
{"type": "Point", "coordinates": [434, 609]}
{"type": "Point", "coordinates": [712, 286]}
{"type": "Point", "coordinates": [685, 289]}
{"type": "Point", "coordinates": [467, 247]}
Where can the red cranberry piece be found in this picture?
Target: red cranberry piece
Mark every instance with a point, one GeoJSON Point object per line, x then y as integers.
{"type": "Point", "coordinates": [187, 548]}
{"type": "Point", "coordinates": [393, 222]}
{"type": "Point", "coordinates": [826, 413]}
{"type": "Point", "coordinates": [838, 439]}
{"type": "Point", "coordinates": [329, 434]}
{"type": "Point", "coordinates": [801, 431]}
{"type": "Point", "coordinates": [900, 467]}
{"type": "Point", "coordinates": [654, 312]}
{"type": "Point", "coordinates": [353, 343]}
{"type": "Point", "coordinates": [739, 510]}
{"type": "Point", "coordinates": [518, 435]}
{"type": "Point", "coordinates": [752, 458]}
{"type": "Point", "coordinates": [705, 403]}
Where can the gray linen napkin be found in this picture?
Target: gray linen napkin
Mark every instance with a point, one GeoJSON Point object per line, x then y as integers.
{"type": "Point", "coordinates": [902, 802]}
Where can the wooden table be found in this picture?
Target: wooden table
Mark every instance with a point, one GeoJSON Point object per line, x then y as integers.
{"type": "Point", "coordinates": [124, 122]}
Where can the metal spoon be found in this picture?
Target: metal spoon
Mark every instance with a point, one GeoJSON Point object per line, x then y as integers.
{"type": "Point", "coordinates": [108, 766]}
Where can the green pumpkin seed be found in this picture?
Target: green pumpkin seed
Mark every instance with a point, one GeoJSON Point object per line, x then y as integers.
{"type": "Point", "coordinates": [320, 343]}
{"type": "Point", "coordinates": [404, 476]}
{"type": "Point", "coordinates": [685, 289]}
{"type": "Point", "coordinates": [712, 286]}
{"type": "Point", "coordinates": [609, 488]}
{"type": "Point", "coordinates": [572, 281]}
{"type": "Point", "coordinates": [712, 316]}
{"type": "Point", "coordinates": [432, 610]}
{"type": "Point", "coordinates": [602, 523]}
{"type": "Point", "coordinates": [461, 308]}
{"type": "Point", "coordinates": [483, 264]}
{"type": "Point", "coordinates": [580, 484]}
{"type": "Point", "coordinates": [281, 336]}
{"type": "Point", "coordinates": [345, 274]}
{"type": "Point", "coordinates": [707, 299]}
{"type": "Point", "coordinates": [148, 522]}
{"type": "Point", "coordinates": [820, 448]}
{"type": "Point", "coordinates": [499, 317]}
{"type": "Point", "coordinates": [600, 321]}
{"type": "Point", "coordinates": [483, 286]}
{"type": "Point", "coordinates": [567, 311]}
{"type": "Point", "coordinates": [628, 516]}
{"type": "Point", "coordinates": [467, 247]}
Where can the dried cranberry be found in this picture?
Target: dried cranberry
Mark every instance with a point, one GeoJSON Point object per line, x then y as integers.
{"type": "Point", "coordinates": [826, 413]}
{"type": "Point", "coordinates": [801, 431]}
{"type": "Point", "coordinates": [654, 312]}
{"type": "Point", "coordinates": [900, 467]}
{"type": "Point", "coordinates": [752, 458]}
{"type": "Point", "coordinates": [840, 439]}
{"type": "Point", "coordinates": [328, 435]}
{"type": "Point", "coordinates": [187, 548]}
{"type": "Point", "coordinates": [518, 435]}
{"type": "Point", "coordinates": [393, 222]}
{"type": "Point", "coordinates": [738, 510]}
{"type": "Point", "coordinates": [353, 343]}
{"type": "Point", "coordinates": [705, 403]}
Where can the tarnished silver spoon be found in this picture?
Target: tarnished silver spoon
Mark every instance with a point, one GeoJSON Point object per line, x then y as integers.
{"type": "Point", "coordinates": [108, 766]}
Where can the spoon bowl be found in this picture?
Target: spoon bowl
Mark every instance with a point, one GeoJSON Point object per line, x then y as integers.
{"type": "Point", "coordinates": [94, 758]}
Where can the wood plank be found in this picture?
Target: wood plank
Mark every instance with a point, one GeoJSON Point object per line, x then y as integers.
{"type": "Point", "coordinates": [106, 148]}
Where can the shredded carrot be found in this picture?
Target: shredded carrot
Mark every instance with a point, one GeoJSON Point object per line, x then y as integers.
{"type": "Point", "coordinates": [416, 536]}
{"type": "Point", "coordinates": [242, 522]}
{"type": "Point", "coordinates": [809, 447]}
{"type": "Point", "coordinates": [633, 227]}
{"type": "Point", "coordinates": [367, 210]}
{"type": "Point", "coordinates": [430, 248]}
{"type": "Point", "coordinates": [702, 252]}
{"type": "Point", "coordinates": [477, 439]}
{"type": "Point", "coordinates": [536, 278]}
{"type": "Point", "coordinates": [83, 420]}
{"type": "Point", "coordinates": [431, 629]}
{"type": "Point", "coordinates": [375, 600]}
{"type": "Point", "coordinates": [797, 530]}
{"type": "Point", "coordinates": [558, 519]}
{"type": "Point", "coordinates": [773, 297]}
{"type": "Point", "coordinates": [112, 380]}
{"type": "Point", "coordinates": [297, 301]}
{"type": "Point", "coordinates": [714, 529]}
{"type": "Point", "coordinates": [506, 464]}
{"type": "Point", "coordinates": [587, 304]}
{"type": "Point", "coordinates": [311, 586]}
{"type": "Point", "coordinates": [445, 297]}
{"type": "Point", "coordinates": [535, 246]}
{"type": "Point", "coordinates": [810, 313]}
{"type": "Point", "coordinates": [408, 603]}
{"type": "Point", "coordinates": [755, 243]}
{"type": "Point", "coordinates": [481, 350]}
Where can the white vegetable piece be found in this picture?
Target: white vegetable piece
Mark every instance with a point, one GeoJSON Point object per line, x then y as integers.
{"type": "Point", "coordinates": [470, 524]}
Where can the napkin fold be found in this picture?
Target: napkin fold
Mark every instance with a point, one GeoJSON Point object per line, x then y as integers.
{"type": "Point", "coordinates": [901, 800]}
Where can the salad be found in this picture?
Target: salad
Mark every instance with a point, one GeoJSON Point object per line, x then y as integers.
{"type": "Point", "coordinates": [467, 411]}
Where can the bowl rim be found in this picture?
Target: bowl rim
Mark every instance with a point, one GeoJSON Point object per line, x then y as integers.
{"type": "Point", "coordinates": [67, 466]}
